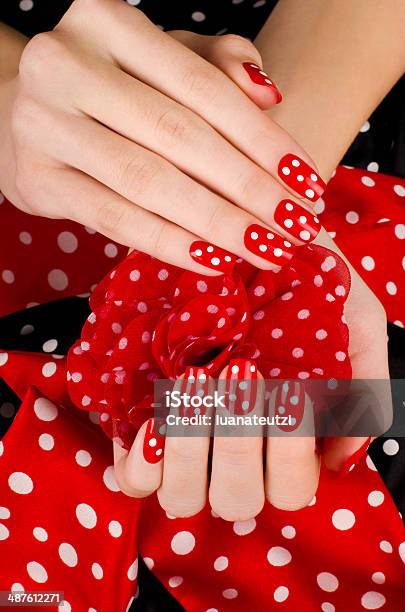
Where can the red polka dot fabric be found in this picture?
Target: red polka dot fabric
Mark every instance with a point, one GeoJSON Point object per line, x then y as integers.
{"type": "Point", "coordinates": [345, 551]}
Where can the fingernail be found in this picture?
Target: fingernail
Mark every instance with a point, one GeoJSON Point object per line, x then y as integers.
{"type": "Point", "coordinates": [212, 256]}
{"type": "Point", "coordinates": [352, 461]}
{"type": "Point", "coordinates": [298, 175]}
{"type": "Point", "coordinates": [259, 77]}
{"type": "Point", "coordinates": [266, 244]}
{"type": "Point", "coordinates": [290, 403]}
{"type": "Point", "coordinates": [154, 441]}
{"type": "Point", "coordinates": [241, 386]}
{"type": "Point", "coordinates": [299, 222]}
{"type": "Point", "coordinates": [195, 385]}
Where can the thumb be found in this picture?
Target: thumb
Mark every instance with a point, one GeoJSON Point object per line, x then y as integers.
{"type": "Point", "coordinates": [239, 59]}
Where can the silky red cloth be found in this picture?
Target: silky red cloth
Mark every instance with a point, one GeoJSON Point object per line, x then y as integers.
{"type": "Point", "coordinates": [345, 551]}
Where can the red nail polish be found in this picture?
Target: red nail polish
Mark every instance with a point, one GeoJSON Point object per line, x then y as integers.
{"type": "Point", "coordinates": [296, 220]}
{"type": "Point", "coordinates": [290, 402]}
{"type": "Point", "coordinates": [269, 245]}
{"type": "Point", "coordinates": [259, 77]}
{"type": "Point", "coordinates": [298, 175]}
{"type": "Point", "coordinates": [196, 383]}
{"type": "Point", "coordinates": [351, 462]}
{"type": "Point", "coordinates": [241, 386]}
{"type": "Point", "coordinates": [212, 256]}
{"type": "Point", "coordinates": [154, 441]}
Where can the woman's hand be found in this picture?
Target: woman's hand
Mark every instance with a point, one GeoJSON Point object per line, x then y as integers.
{"type": "Point", "coordinates": [117, 125]}
{"type": "Point", "coordinates": [236, 483]}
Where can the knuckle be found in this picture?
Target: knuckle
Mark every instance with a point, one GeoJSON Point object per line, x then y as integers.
{"type": "Point", "coordinates": [109, 217]}
{"type": "Point", "coordinates": [217, 219]}
{"type": "Point", "coordinates": [136, 174]}
{"type": "Point", "coordinates": [234, 42]}
{"type": "Point", "coordinates": [41, 51]}
{"type": "Point", "coordinates": [254, 184]}
{"type": "Point", "coordinates": [174, 126]}
{"type": "Point", "coordinates": [203, 85]}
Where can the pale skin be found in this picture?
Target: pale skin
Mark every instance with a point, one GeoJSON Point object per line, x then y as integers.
{"type": "Point", "coordinates": [107, 174]}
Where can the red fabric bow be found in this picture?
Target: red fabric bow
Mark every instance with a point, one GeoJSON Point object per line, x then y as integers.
{"type": "Point", "coordinates": [150, 320]}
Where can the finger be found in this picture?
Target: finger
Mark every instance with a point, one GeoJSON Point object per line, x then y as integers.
{"type": "Point", "coordinates": [87, 201]}
{"type": "Point", "coordinates": [139, 471]}
{"type": "Point", "coordinates": [236, 489]}
{"type": "Point", "coordinates": [292, 465]}
{"type": "Point", "coordinates": [198, 85]}
{"type": "Point", "coordinates": [238, 58]}
{"type": "Point", "coordinates": [153, 183]}
{"type": "Point", "coordinates": [184, 486]}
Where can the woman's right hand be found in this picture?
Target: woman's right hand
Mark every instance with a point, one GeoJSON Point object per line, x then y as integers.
{"type": "Point", "coordinates": [149, 139]}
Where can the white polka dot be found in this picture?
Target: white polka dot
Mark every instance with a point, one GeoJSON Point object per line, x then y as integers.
{"type": "Point", "coordinates": [175, 581]}
{"type": "Point", "coordinates": [8, 276]}
{"type": "Point", "coordinates": [4, 532]}
{"type": "Point", "coordinates": [327, 607]}
{"type": "Point", "coordinates": [340, 356]}
{"type": "Point", "coordinates": [40, 534]}
{"type": "Point", "coordinates": [368, 263]}
{"type": "Point", "coordinates": [327, 582]}
{"type": "Point", "coordinates": [3, 358]}
{"type": "Point", "coordinates": [37, 572]}
{"type": "Point", "coordinates": [367, 181]}
{"type": "Point", "coordinates": [288, 532]}
{"type": "Point", "coordinates": [110, 480]}
{"type": "Point", "coordinates": [4, 512]}
{"type": "Point", "coordinates": [149, 562]}
{"type": "Point", "coordinates": [64, 606]}
{"type": "Point", "coordinates": [110, 250]}
{"type": "Point", "coordinates": [221, 563]}
{"type": "Point", "coordinates": [309, 193]}
{"type": "Point", "coordinates": [230, 593]}
{"type": "Point", "coordinates": [328, 264]}
{"type": "Point", "coordinates": [386, 546]}
{"type": "Point", "coordinates": [400, 231]}
{"type": "Point", "coordinates": [278, 556]}
{"type": "Point", "coordinates": [133, 570]}
{"type": "Point", "coordinates": [68, 554]}
{"type": "Point", "coordinates": [83, 458]}
{"type": "Point", "coordinates": [26, 329]}
{"type": "Point", "coordinates": [49, 369]}
{"type": "Point", "coordinates": [372, 600]}
{"type": "Point", "coordinates": [297, 352]}
{"type": "Point", "coordinates": [391, 288]}
{"type": "Point", "coordinates": [26, 5]}
{"type": "Point", "coordinates": [390, 447]}
{"type": "Point", "coordinates": [1, 448]}
{"type": "Point", "coordinates": [259, 290]}
{"type": "Point", "coordinates": [286, 171]}
{"type": "Point", "coordinates": [373, 167]}
{"type": "Point", "coordinates": [242, 528]}
{"type": "Point", "coordinates": [135, 275]}
{"type": "Point", "coordinates": [352, 217]}
{"type": "Point", "coordinates": [303, 314]}
{"type": "Point", "coordinates": [76, 377]}
{"type": "Point", "coordinates": [46, 442]}
{"type": "Point", "coordinates": [281, 594]}
{"type": "Point", "coordinates": [67, 242]}
{"type": "Point", "coordinates": [20, 483]}
{"type": "Point", "coordinates": [17, 587]}
{"type": "Point", "coordinates": [319, 206]}
{"type": "Point", "coordinates": [343, 519]}
{"type": "Point", "coordinates": [375, 498]}
{"type": "Point", "coordinates": [202, 286]}
{"type": "Point", "coordinates": [49, 346]}
{"type": "Point", "coordinates": [86, 516]}
{"type": "Point", "coordinates": [401, 550]}
{"type": "Point", "coordinates": [198, 16]}
{"type": "Point", "coordinates": [25, 237]}
{"type": "Point", "coordinates": [115, 529]}
{"type": "Point", "coordinates": [183, 543]}
{"type": "Point", "coordinates": [399, 190]}
{"type": "Point", "coordinates": [45, 409]}
{"type": "Point", "coordinates": [378, 578]}
{"type": "Point", "coordinates": [97, 571]}
{"type": "Point", "coordinates": [370, 464]}
{"type": "Point", "coordinates": [305, 235]}
{"type": "Point", "coordinates": [365, 127]}
{"type": "Point", "coordinates": [277, 333]}
{"type": "Point", "coordinates": [163, 274]}
{"type": "Point", "coordinates": [58, 280]}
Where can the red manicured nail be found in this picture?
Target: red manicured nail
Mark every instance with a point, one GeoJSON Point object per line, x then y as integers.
{"type": "Point", "coordinates": [290, 402]}
{"type": "Point", "coordinates": [351, 462]}
{"type": "Point", "coordinates": [267, 244]}
{"type": "Point", "coordinates": [154, 441]}
{"type": "Point", "coordinates": [196, 383]}
{"type": "Point", "coordinates": [259, 77]}
{"type": "Point", "coordinates": [299, 222]}
{"type": "Point", "coordinates": [241, 386]}
{"type": "Point", "coordinates": [298, 175]}
{"type": "Point", "coordinates": [212, 256]}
